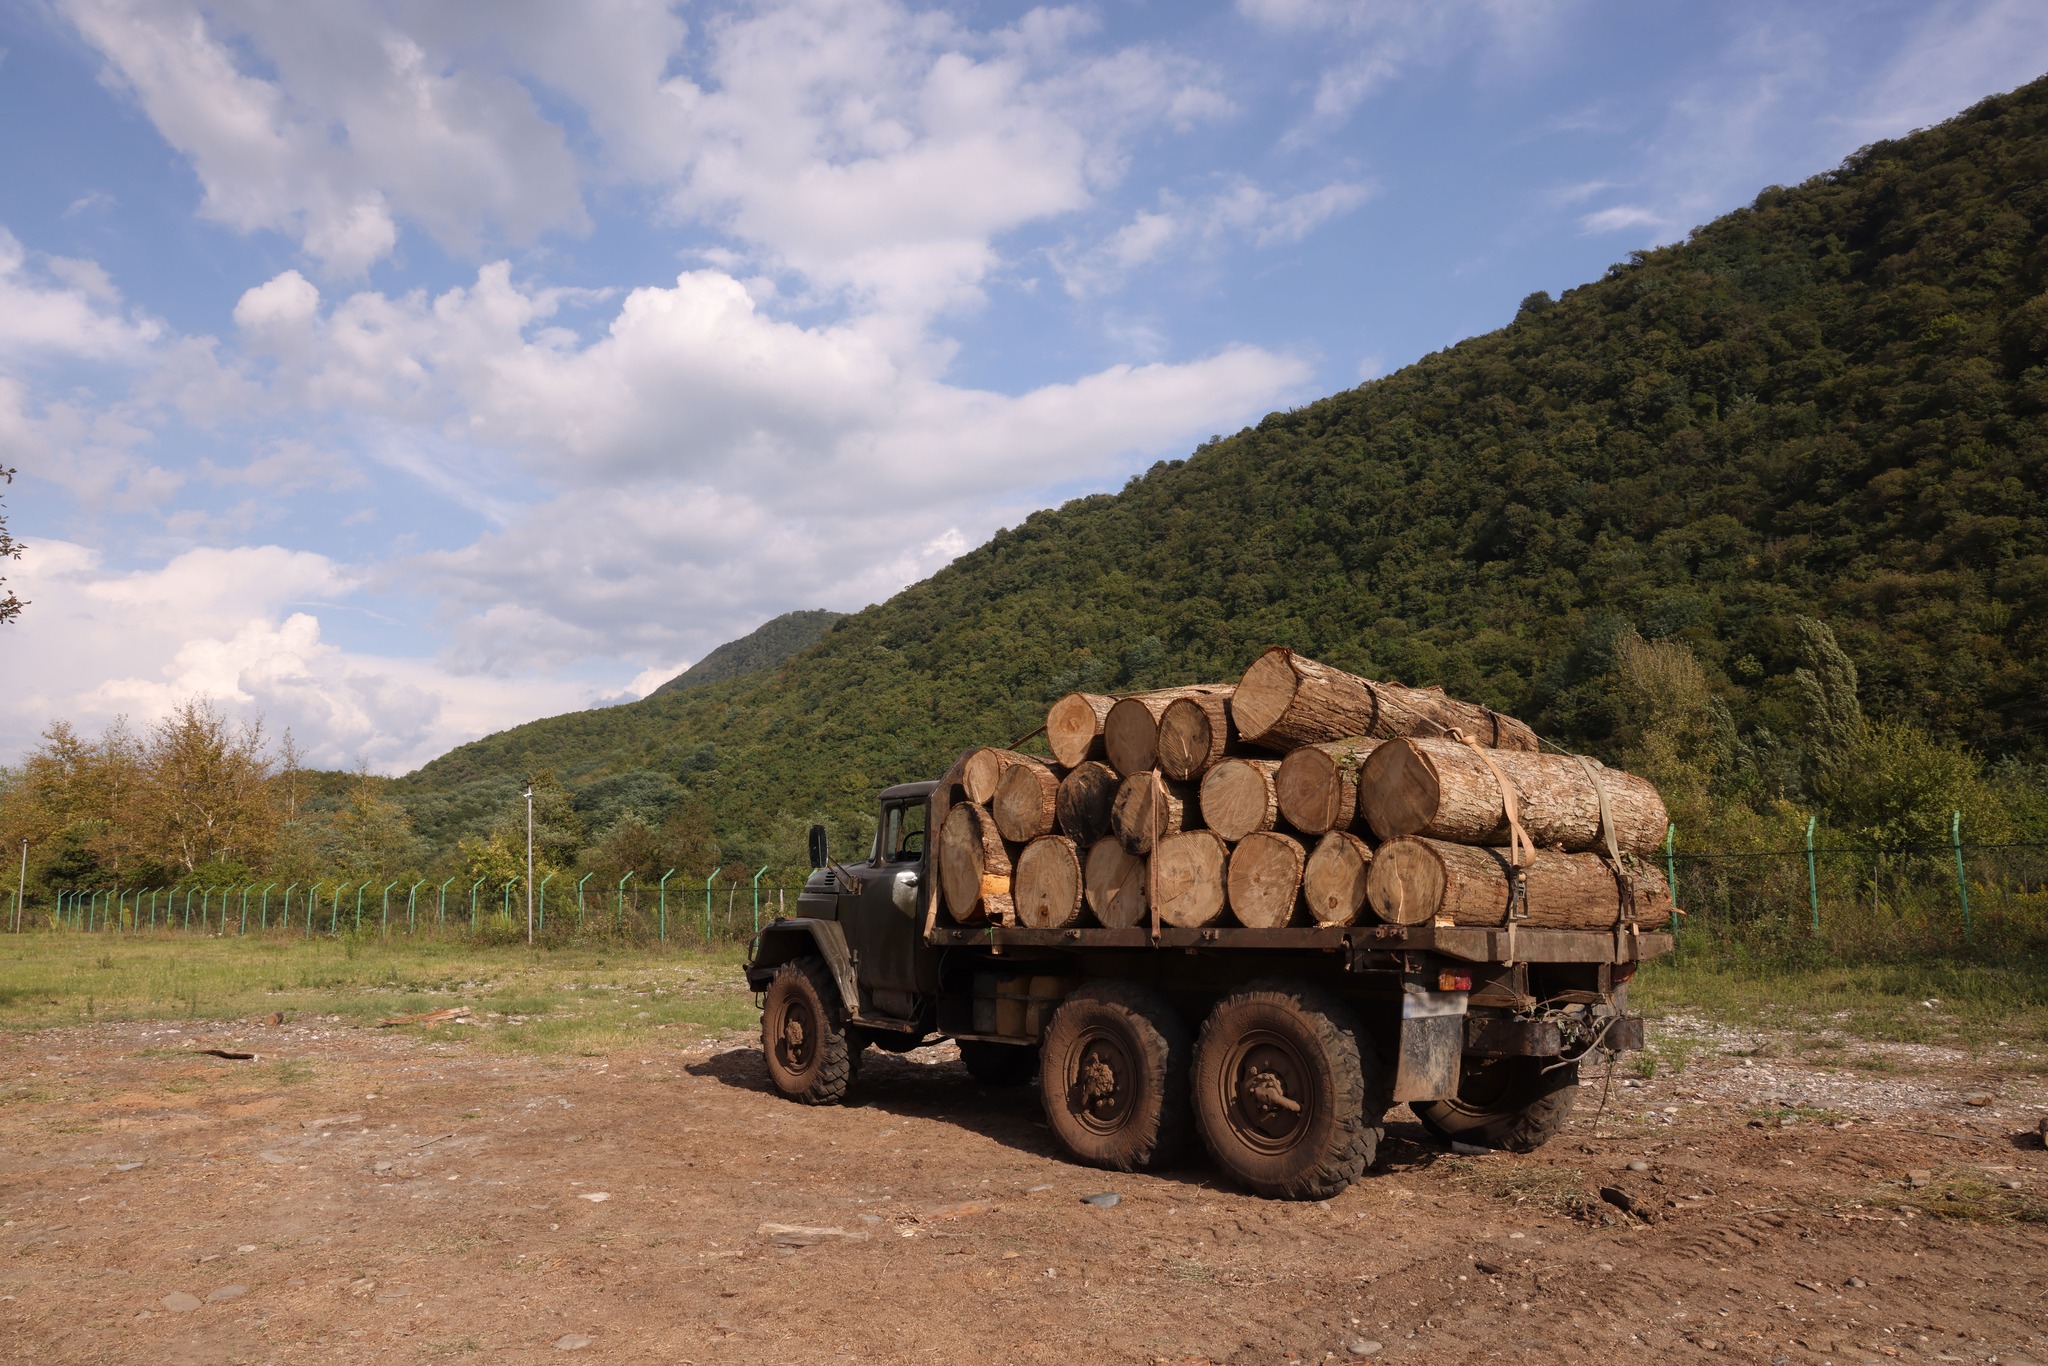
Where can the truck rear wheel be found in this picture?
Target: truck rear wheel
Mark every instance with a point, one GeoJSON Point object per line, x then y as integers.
{"type": "Point", "coordinates": [1281, 1084]}
{"type": "Point", "coordinates": [1508, 1103]}
{"type": "Point", "coordinates": [802, 1037]}
{"type": "Point", "coordinates": [998, 1064]}
{"type": "Point", "coordinates": [1113, 1070]}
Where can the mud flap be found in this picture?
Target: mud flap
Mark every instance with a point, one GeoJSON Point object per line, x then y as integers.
{"type": "Point", "coordinates": [1432, 1043]}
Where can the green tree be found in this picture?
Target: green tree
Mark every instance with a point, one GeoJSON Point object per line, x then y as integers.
{"type": "Point", "coordinates": [10, 549]}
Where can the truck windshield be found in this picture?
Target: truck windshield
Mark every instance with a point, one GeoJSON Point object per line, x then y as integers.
{"type": "Point", "coordinates": [903, 833]}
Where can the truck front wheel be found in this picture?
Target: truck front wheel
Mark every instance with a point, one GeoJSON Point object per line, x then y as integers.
{"type": "Point", "coordinates": [802, 1037]}
{"type": "Point", "coordinates": [1507, 1103]}
{"type": "Point", "coordinates": [1282, 1079]}
{"type": "Point", "coordinates": [1113, 1071]}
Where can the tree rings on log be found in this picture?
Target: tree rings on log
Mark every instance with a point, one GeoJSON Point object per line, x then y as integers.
{"type": "Point", "coordinates": [974, 867]}
{"type": "Point", "coordinates": [1317, 785]}
{"type": "Point", "coordinates": [1286, 700]}
{"type": "Point", "coordinates": [1194, 733]}
{"type": "Point", "coordinates": [1189, 878]}
{"type": "Point", "coordinates": [1049, 884]}
{"type": "Point", "coordinates": [1265, 880]}
{"type": "Point", "coordinates": [1148, 806]}
{"type": "Point", "coordinates": [1333, 883]}
{"type": "Point", "coordinates": [1442, 790]}
{"type": "Point", "coordinates": [1086, 799]}
{"type": "Point", "coordinates": [1416, 881]}
{"type": "Point", "coordinates": [1115, 886]}
{"type": "Point", "coordinates": [983, 772]}
{"type": "Point", "coordinates": [1238, 797]}
{"type": "Point", "coordinates": [1073, 727]}
{"type": "Point", "coordinates": [1026, 801]}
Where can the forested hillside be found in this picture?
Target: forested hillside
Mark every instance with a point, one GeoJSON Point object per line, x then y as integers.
{"type": "Point", "coordinates": [1829, 405]}
{"type": "Point", "coordinates": [762, 648]}
{"type": "Point", "coordinates": [1761, 514]}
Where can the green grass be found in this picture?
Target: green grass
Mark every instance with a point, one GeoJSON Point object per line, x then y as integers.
{"type": "Point", "coordinates": [1980, 1000]}
{"type": "Point", "coordinates": [585, 1000]}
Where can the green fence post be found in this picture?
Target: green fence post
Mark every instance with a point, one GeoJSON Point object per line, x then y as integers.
{"type": "Point", "coordinates": [472, 902]}
{"type": "Point", "coordinates": [622, 897]}
{"type": "Point", "coordinates": [508, 897]}
{"type": "Point", "coordinates": [263, 924]}
{"type": "Point", "coordinates": [664, 903]}
{"type": "Point", "coordinates": [1812, 876]}
{"type": "Point", "coordinates": [1955, 836]}
{"type": "Point", "coordinates": [543, 890]}
{"type": "Point", "coordinates": [1671, 873]}
{"type": "Point", "coordinates": [312, 900]}
{"type": "Point", "coordinates": [441, 913]}
{"type": "Point", "coordinates": [412, 907]}
{"type": "Point", "coordinates": [334, 910]}
{"type": "Point", "coordinates": [579, 899]}
{"type": "Point", "coordinates": [245, 907]}
{"type": "Point", "coordinates": [708, 878]}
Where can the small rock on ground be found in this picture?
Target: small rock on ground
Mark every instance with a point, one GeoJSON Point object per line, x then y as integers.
{"type": "Point", "coordinates": [227, 1292]}
{"type": "Point", "coordinates": [1362, 1347]}
{"type": "Point", "coordinates": [178, 1302]}
{"type": "Point", "coordinates": [1106, 1200]}
{"type": "Point", "coordinates": [573, 1342]}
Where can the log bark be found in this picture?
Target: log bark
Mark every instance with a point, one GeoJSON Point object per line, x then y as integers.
{"type": "Point", "coordinates": [1189, 879]}
{"type": "Point", "coordinates": [975, 869]}
{"type": "Point", "coordinates": [983, 771]}
{"type": "Point", "coordinates": [1238, 797]}
{"type": "Point", "coordinates": [1115, 886]}
{"type": "Point", "coordinates": [1148, 806]}
{"type": "Point", "coordinates": [1416, 881]}
{"type": "Point", "coordinates": [1049, 884]}
{"type": "Point", "coordinates": [1086, 798]}
{"type": "Point", "coordinates": [948, 793]}
{"type": "Point", "coordinates": [1440, 789]}
{"type": "Point", "coordinates": [1265, 880]}
{"type": "Point", "coordinates": [1286, 700]}
{"type": "Point", "coordinates": [1333, 883]}
{"type": "Point", "coordinates": [1130, 733]}
{"type": "Point", "coordinates": [1194, 733]}
{"type": "Point", "coordinates": [1026, 801]}
{"type": "Point", "coordinates": [1317, 785]}
{"type": "Point", "coordinates": [1073, 727]}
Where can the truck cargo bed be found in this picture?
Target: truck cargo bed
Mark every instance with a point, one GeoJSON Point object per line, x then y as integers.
{"type": "Point", "coordinates": [1475, 945]}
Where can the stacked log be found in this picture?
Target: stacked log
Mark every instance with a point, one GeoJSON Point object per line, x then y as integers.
{"type": "Point", "coordinates": [1300, 794]}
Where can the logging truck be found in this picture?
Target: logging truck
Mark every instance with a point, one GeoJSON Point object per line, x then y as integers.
{"type": "Point", "coordinates": [1148, 1024]}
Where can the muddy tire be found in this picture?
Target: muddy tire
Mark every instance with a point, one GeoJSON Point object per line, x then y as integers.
{"type": "Point", "coordinates": [998, 1064]}
{"type": "Point", "coordinates": [803, 1035]}
{"type": "Point", "coordinates": [1506, 1103]}
{"type": "Point", "coordinates": [1284, 1085]}
{"type": "Point", "coordinates": [1113, 1073]}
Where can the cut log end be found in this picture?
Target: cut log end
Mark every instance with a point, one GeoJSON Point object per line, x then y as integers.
{"type": "Point", "coordinates": [1086, 799]}
{"type": "Point", "coordinates": [1148, 806]}
{"type": "Point", "coordinates": [1238, 797]}
{"type": "Point", "coordinates": [974, 867]}
{"type": "Point", "coordinates": [1114, 884]}
{"type": "Point", "coordinates": [1194, 733]}
{"type": "Point", "coordinates": [1026, 802]}
{"type": "Point", "coordinates": [1073, 727]}
{"type": "Point", "coordinates": [1265, 880]}
{"type": "Point", "coordinates": [1333, 884]}
{"type": "Point", "coordinates": [1264, 693]}
{"type": "Point", "coordinates": [1317, 785]}
{"type": "Point", "coordinates": [1049, 884]}
{"type": "Point", "coordinates": [1190, 878]}
{"type": "Point", "coordinates": [1398, 792]}
{"type": "Point", "coordinates": [1405, 882]}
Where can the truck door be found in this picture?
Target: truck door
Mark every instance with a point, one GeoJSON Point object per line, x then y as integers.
{"type": "Point", "coordinates": [882, 923]}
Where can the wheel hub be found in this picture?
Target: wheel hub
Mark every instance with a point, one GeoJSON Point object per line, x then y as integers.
{"type": "Point", "coordinates": [796, 1040]}
{"type": "Point", "coordinates": [1269, 1088]}
{"type": "Point", "coordinates": [1101, 1092]}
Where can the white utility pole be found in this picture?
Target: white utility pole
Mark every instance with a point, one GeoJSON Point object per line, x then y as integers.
{"type": "Point", "coordinates": [529, 865]}
{"type": "Point", "coordinates": [21, 887]}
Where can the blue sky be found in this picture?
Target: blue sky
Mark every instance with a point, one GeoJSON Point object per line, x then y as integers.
{"type": "Point", "coordinates": [400, 371]}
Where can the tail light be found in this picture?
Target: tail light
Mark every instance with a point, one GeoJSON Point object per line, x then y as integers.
{"type": "Point", "coordinates": [1454, 981]}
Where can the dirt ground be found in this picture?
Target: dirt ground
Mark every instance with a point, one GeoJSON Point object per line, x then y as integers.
{"type": "Point", "coordinates": [357, 1192]}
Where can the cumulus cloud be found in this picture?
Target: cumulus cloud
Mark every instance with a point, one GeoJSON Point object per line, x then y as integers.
{"type": "Point", "coordinates": [69, 308]}
{"type": "Point", "coordinates": [240, 626]}
{"type": "Point", "coordinates": [1240, 211]}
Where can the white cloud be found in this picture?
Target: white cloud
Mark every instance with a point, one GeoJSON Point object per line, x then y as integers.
{"type": "Point", "coordinates": [1959, 52]}
{"type": "Point", "coordinates": [326, 122]}
{"type": "Point", "coordinates": [238, 626]}
{"type": "Point", "coordinates": [1622, 218]}
{"type": "Point", "coordinates": [1238, 212]}
{"type": "Point", "coordinates": [75, 314]}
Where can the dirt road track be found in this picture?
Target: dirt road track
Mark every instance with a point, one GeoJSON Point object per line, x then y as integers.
{"type": "Point", "coordinates": [418, 1198]}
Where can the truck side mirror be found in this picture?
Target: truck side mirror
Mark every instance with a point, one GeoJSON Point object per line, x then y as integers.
{"type": "Point", "coordinates": [821, 852]}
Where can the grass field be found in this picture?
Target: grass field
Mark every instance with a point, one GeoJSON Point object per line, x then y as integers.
{"type": "Point", "coordinates": [574, 999]}
{"type": "Point", "coordinates": [585, 998]}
